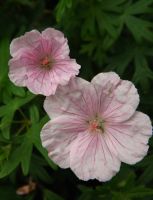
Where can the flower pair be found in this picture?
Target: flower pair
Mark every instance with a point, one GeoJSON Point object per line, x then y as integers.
{"type": "Point", "coordinates": [95, 125]}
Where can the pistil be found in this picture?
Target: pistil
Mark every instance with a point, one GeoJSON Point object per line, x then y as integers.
{"type": "Point", "coordinates": [46, 62]}
{"type": "Point", "coordinates": [96, 124]}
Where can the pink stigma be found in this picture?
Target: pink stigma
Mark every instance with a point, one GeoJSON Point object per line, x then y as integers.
{"type": "Point", "coordinates": [96, 124]}
{"type": "Point", "coordinates": [93, 125]}
{"type": "Point", "coordinates": [45, 62]}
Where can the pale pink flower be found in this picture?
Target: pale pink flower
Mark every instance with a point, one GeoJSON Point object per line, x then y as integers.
{"type": "Point", "coordinates": [41, 61]}
{"type": "Point", "coordinates": [95, 127]}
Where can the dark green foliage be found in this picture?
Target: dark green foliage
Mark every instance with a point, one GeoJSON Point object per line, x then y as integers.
{"type": "Point", "coordinates": [123, 186]}
{"type": "Point", "coordinates": [104, 35]}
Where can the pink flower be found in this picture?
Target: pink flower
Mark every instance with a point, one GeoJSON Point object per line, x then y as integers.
{"type": "Point", "coordinates": [41, 61]}
{"type": "Point", "coordinates": [95, 127]}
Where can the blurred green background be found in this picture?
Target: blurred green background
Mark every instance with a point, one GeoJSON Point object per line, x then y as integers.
{"type": "Point", "coordinates": [104, 35]}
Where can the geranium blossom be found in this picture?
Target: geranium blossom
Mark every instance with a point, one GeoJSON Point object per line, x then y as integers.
{"type": "Point", "coordinates": [95, 126]}
{"type": "Point", "coordinates": [41, 61]}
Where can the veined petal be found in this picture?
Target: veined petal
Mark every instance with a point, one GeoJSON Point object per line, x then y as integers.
{"type": "Point", "coordinates": [39, 82]}
{"type": "Point", "coordinates": [126, 93]}
{"type": "Point", "coordinates": [60, 48]}
{"type": "Point", "coordinates": [50, 33]}
{"type": "Point", "coordinates": [64, 70]}
{"type": "Point", "coordinates": [129, 139]}
{"type": "Point", "coordinates": [117, 99]}
{"type": "Point", "coordinates": [90, 157]}
{"type": "Point", "coordinates": [17, 72]}
{"type": "Point", "coordinates": [116, 112]}
{"type": "Point", "coordinates": [106, 81]}
{"type": "Point", "coordinates": [57, 136]}
{"type": "Point", "coordinates": [67, 99]}
{"type": "Point", "coordinates": [28, 40]}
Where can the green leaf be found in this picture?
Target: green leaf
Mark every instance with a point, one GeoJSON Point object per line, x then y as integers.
{"type": "Point", "coordinates": [34, 114]}
{"type": "Point", "coordinates": [108, 22]}
{"type": "Point", "coordinates": [4, 55]}
{"type": "Point", "coordinates": [11, 163]}
{"type": "Point", "coordinates": [48, 195]}
{"type": "Point", "coordinates": [140, 7]}
{"type": "Point", "coordinates": [118, 195]}
{"type": "Point", "coordinates": [109, 5]}
{"type": "Point", "coordinates": [35, 136]}
{"type": "Point", "coordinates": [136, 192]}
{"type": "Point", "coordinates": [18, 102]}
{"type": "Point", "coordinates": [147, 166]}
{"type": "Point", "coordinates": [15, 104]}
{"type": "Point", "coordinates": [20, 154]}
{"type": "Point", "coordinates": [140, 192]}
{"type": "Point", "coordinates": [61, 7]}
{"type": "Point", "coordinates": [17, 91]}
{"type": "Point", "coordinates": [142, 73]}
{"type": "Point", "coordinates": [141, 29]}
{"type": "Point", "coordinates": [120, 61]}
{"type": "Point", "coordinates": [7, 192]}
{"type": "Point", "coordinates": [38, 169]}
{"type": "Point", "coordinates": [25, 2]}
{"type": "Point", "coordinates": [6, 95]}
{"type": "Point", "coordinates": [26, 150]}
{"type": "Point", "coordinates": [7, 112]}
{"type": "Point", "coordinates": [5, 125]}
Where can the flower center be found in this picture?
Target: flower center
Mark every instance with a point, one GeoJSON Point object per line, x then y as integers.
{"type": "Point", "coordinates": [46, 62]}
{"type": "Point", "coordinates": [96, 125]}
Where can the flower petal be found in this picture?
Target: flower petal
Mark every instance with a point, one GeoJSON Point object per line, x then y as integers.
{"type": "Point", "coordinates": [50, 33]}
{"type": "Point", "coordinates": [114, 111]}
{"type": "Point", "coordinates": [90, 157]}
{"type": "Point", "coordinates": [57, 136]}
{"type": "Point", "coordinates": [64, 70]}
{"type": "Point", "coordinates": [107, 81]}
{"type": "Point", "coordinates": [129, 139]}
{"type": "Point", "coordinates": [44, 81]}
{"type": "Point", "coordinates": [126, 93]}
{"type": "Point", "coordinates": [17, 72]}
{"type": "Point", "coordinates": [39, 82]}
{"type": "Point", "coordinates": [118, 99]}
{"type": "Point", "coordinates": [67, 99]}
{"type": "Point", "coordinates": [60, 48]}
{"type": "Point", "coordinates": [29, 39]}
